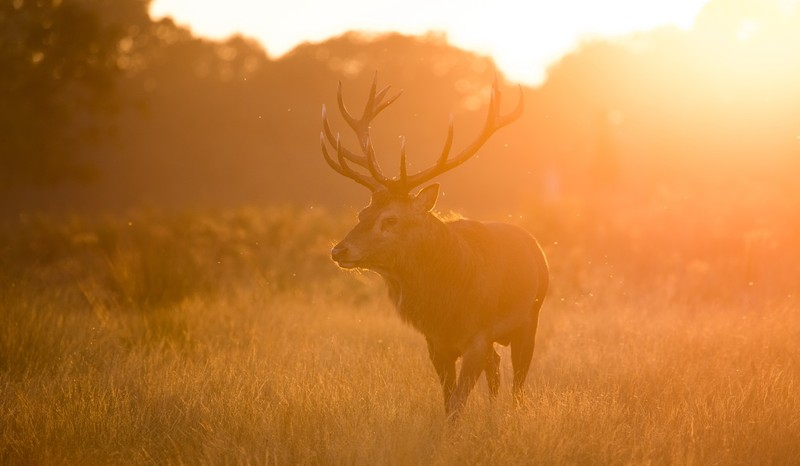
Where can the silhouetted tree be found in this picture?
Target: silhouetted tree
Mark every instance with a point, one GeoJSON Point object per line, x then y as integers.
{"type": "Point", "coordinates": [58, 65]}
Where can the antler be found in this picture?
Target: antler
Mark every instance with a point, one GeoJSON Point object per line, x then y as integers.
{"type": "Point", "coordinates": [375, 105]}
{"type": "Point", "coordinates": [494, 121]}
{"type": "Point", "coordinates": [376, 180]}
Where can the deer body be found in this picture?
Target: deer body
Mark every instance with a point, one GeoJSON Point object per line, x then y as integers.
{"type": "Point", "coordinates": [485, 285]}
{"type": "Point", "coordinates": [463, 284]}
{"type": "Point", "coordinates": [470, 279]}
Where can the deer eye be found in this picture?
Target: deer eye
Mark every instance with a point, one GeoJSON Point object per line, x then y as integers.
{"type": "Point", "coordinates": [388, 223]}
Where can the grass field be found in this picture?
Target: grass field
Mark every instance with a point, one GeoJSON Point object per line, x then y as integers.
{"type": "Point", "coordinates": [230, 338]}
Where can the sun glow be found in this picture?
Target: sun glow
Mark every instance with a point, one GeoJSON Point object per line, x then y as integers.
{"type": "Point", "coordinates": [523, 37]}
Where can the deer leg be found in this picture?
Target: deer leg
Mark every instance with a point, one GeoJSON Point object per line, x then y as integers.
{"type": "Point", "coordinates": [493, 373]}
{"type": "Point", "coordinates": [445, 366]}
{"type": "Point", "coordinates": [473, 363]}
{"type": "Point", "coordinates": [521, 354]}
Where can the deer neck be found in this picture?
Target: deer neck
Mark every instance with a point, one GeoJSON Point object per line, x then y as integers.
{"type": "Point", "coordinates": [427, 274]}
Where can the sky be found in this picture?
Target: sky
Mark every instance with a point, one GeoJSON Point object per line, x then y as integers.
{"type": "Point", "coordinates": [523, 37]}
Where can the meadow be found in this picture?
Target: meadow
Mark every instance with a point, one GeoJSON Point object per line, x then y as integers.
{"type": "Point", "coordinates": [231, 338]}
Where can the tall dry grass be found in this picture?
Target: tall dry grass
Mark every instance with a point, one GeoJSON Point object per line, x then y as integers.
{"type": "Point", "coordinates": [230, 338]}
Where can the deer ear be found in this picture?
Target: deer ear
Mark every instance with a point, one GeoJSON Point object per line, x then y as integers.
{"type": "Point", "coordinates": [425, 200]}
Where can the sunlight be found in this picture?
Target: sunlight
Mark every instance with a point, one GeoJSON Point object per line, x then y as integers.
{"type": "Point", "coordinates": [174, 229]}
{"type": "Point", "coordinates": [746, 30]}
{"type": "Point", "coordinates": [756, 39]}
{"type": "Point", "coordinates": [524, 38]}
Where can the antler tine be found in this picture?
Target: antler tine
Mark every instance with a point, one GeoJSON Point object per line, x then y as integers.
{"type": "Point", "coordinates": [332, 140]}
{"type": "Point", "coordinates": [372, 165]}
{"type": "Point", "coordinates": [382, 105]}
{"type": "Point", "coordinates": [374, 183]}
{"type": "Point", "coordinates": [369, 107]}
{"type": "Point", "coordinates": [351, 121]}
{"type": "Point", "coordinates": [498, 120]}
{"type": "Point", "coordinates": [382, 93]}
{"type": "Point", "coordinates": [343, 169]}
{"type": "Point", "coordinates": [403, 167]}
{"type": "Point", "coordinates": [376, 103]}
{"type": "Point", "coordinates": [494, 121]}
{"type": "Point", "coordinates": [448, 144]}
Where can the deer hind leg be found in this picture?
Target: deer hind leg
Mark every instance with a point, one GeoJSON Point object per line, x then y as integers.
{"type": "Point", "coordinates": [493, 372]}
{"type": "Point", "coordinates": [473, 363]}
{"type": "Point", "coordinates": [445, 365]}
{"type": "Point", "coordinates": [521, 354]}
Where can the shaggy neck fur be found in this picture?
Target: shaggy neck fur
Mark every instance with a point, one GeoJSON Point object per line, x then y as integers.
{"type": "Point", "coordinates": [424, 281]}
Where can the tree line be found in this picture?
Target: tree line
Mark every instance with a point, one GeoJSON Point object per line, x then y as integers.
{"type": "Point", "coordinates": [104, 107]}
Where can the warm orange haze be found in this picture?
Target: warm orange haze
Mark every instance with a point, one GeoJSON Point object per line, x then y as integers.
{"type": "Point", "coordinates": [523, 38]}
{"type": "Point", "coordinates": [173, 240]}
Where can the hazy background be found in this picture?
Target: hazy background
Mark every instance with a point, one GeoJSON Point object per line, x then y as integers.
{"type": "Point", "coordinates": [522, 37]}
{"type": "Point", "coordinates": [662, 139]}
{"type": "Point", "coordinates": [166, 218]}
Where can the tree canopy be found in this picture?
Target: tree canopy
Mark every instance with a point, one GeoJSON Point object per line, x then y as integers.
{"type": "Point", "coordinates": [220, 122]}
{"type": "Point", "coordinates": [57, 63]}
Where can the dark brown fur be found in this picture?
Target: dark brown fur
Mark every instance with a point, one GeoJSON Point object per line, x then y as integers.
{"type": "Point", "coordinates": [463, 284]}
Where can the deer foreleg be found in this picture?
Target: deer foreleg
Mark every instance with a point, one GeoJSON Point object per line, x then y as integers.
{"type": "Point", "coordinates": [473, 362]}
{"type": "Point", "coordinates": [493, 372]}
{"type": "Point", "coordinates": [445, 365]}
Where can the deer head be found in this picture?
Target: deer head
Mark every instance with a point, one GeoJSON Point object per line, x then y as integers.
{"type": "Point", "coordinates": [395, 217]}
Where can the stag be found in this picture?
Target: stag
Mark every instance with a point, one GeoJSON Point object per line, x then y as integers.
{"type": "Point", "coordinates": [463, 284]}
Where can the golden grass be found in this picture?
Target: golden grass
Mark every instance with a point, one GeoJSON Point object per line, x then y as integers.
{"type": "Point", "coordinates": [279, 358]}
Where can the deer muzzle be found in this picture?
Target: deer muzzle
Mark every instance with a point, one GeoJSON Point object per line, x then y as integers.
{"type": "Point", "coordinates": [343, 256]}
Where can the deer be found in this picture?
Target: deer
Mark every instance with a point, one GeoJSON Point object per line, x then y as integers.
{"type": "Point", "coordinates": [463, 284]}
